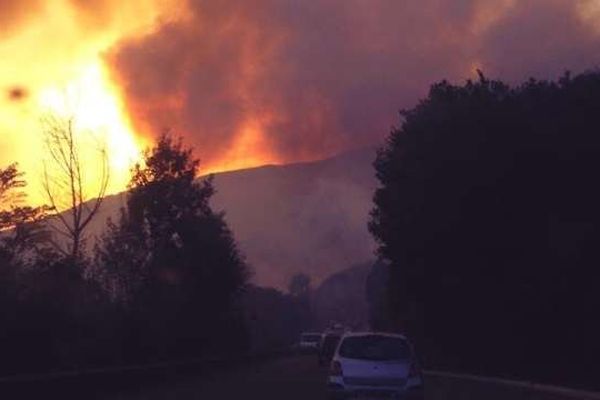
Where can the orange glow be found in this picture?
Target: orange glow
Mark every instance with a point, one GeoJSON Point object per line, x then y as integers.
{"type": "Point", "coordinates": [98, 114]}
{"type": "Point", "coordinates": [589, 13]}
{"type": "Point", "coordinates": [245, 87]}
{"type": "Point", "coordinates": [488, 14]}
{"type": "Point", "coordinates": [52, 62]}
{"type": "Point", "coordinates": [249, 149]}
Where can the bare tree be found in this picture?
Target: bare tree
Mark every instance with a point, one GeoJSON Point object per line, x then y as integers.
{"type": "Point", "coordinates": [65, 185]}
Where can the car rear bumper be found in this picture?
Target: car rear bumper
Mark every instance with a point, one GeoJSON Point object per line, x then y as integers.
{"type": "Point", "coordinates": [339, 391]}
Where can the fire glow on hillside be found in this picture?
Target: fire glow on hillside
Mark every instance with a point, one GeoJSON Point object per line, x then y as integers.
{"type": "Point", "coordinates": [265, 81]}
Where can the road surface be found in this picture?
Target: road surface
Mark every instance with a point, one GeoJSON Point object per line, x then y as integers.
{"type": "Point", "coordinates": [287, 378]}
{"type": "Point", "coordinates": [293, 378]}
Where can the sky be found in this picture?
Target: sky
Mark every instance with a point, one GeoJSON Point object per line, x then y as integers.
{"type": "Point", "coordinates": [255, 82]}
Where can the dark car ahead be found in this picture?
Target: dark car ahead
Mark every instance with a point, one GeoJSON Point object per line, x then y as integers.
{"type": "Point", "coordinates": [309, 342]}
{"type": "Point", "coordinates": [328, 346]}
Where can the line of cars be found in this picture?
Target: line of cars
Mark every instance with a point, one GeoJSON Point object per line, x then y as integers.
{"type": "Point", "coordinates": [366, 364]}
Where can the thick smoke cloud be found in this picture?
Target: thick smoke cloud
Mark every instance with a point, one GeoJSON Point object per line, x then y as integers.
{"type": "Point", "coordinates": [89, 15]}
{"type": "Point", "coordinates": [305, 79]}
{"type": "Point", "coordinates": [15, 12]}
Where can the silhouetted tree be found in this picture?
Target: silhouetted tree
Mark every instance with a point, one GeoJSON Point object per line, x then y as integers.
{"type": "Point", "coordinates": [488, 213]}
{"type": "Point", "coordinates": [22, 234]}
{"type": "Point", "coordinates": [21, 238]}
{"type": "Point", "coordinates": [65, 182]}
{"type": "Point", "coordinates": [120, 260]}
{"type": "Point", "coordinates": [185, 271]}
{"type": "Point", "coordinates": [48, 315]}
{"type": "Point", "coordinates": [377, 285]}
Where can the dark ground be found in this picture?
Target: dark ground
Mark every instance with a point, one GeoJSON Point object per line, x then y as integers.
{"type": "Point", "coordinates": [285, 378]}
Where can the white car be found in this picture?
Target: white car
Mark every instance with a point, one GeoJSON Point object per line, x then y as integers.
{"type": "Point", "coordinates": [371, 364]}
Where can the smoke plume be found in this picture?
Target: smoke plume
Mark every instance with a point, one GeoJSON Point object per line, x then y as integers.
{"type": "Point", "coordinates": [284, 80]}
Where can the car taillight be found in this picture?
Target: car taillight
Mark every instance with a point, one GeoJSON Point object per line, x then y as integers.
{"type": "Point", "coordinates": [336, 369]}
{"type": "Point", "coordinates": [415, 371]}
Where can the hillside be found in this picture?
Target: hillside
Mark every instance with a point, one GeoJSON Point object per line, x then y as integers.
{"type": "Point", "coordinates": [309, 217]}
{"type": "Point", "coordinates": [342, 298]}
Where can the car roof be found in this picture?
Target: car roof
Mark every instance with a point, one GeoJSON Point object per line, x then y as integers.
{"type": "Point", "coordinates": [374, 333]}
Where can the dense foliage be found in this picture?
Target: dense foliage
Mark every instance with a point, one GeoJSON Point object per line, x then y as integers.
{"type": "Point", "coordinates": [488, 213]}
{"type": "Point", "coordinates": [173, 261]}
{"type": "Point", "coordinates": [165, 281]}
{"type": "Point", "coordinates": [49, 314]}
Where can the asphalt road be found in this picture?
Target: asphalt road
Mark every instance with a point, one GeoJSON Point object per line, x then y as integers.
{"type": "Point", "coordinates": [292, 378]}
{"type": "Point", "coordinates": [286, 378]}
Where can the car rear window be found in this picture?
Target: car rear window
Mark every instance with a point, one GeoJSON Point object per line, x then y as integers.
{"type": "Point", "coordinates": [375, 348]}
{"type": "Point", "coordinates": [311, 338]}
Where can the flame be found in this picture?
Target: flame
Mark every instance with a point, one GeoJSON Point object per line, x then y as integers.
{"type": "Point", "coordinates": [94, 103]}
{"type": "Point", "coordinates": [53, 61]}
{"type": "Point", "coordinates": [250, 148]}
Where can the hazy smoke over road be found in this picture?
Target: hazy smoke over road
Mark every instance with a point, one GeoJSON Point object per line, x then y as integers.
{"type": "Point", "coordinates": [281, 80]}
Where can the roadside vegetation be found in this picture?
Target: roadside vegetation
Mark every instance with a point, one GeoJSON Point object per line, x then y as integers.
{"type": "Point", "coordinates": [486, 217]}
{"type": "Point", "coordinates": [487, 214]}
{"type": "Point", "coordinates": [166, 280]}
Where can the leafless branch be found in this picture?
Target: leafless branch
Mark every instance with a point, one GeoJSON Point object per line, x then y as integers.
{"type": "Point", "coordinates": [65, 188]}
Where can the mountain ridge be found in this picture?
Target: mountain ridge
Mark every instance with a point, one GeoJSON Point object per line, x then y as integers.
{"type": "Point", "coordinates": [308, 217]}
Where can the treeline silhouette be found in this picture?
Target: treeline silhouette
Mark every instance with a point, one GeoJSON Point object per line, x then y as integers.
{"type": "Point", "coordinates": [488, 213]}
{"type": "Point", "coordinates": [166, 280]}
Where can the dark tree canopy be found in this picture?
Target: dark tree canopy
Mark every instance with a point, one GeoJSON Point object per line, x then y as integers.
{"type": "Point", "coordinates": [120, 260]}
{"type": "Point", "coordinates": [187, 242]}
{"type": "Point", "coordinates": [47, 311]}
{"type": "Point", "coordinates": [488, 212]}
{"type": "Point", "coordinates": [172, 256]}
{"type": "Point", "coordinates": [166, 282]}
{"type": "Point", "coordinates": [23, 236]}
